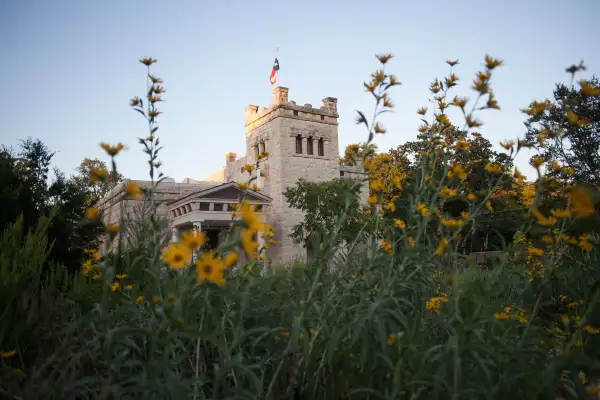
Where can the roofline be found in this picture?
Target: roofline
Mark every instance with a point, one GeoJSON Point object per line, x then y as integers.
{"type": "Point", "coordinates": [220, 187]}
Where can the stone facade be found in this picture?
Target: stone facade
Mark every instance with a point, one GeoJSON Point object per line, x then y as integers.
{"type": "Point", "coordinates": [301, 142]}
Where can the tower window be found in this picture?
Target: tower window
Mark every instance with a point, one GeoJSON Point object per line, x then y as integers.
{"type": "Point", "coordinates": [321, 147]}
{"type": "Point", "coordinates": [295, 113]}
{"type": "Point", "coordinates": [298, 144]}
{"type": "Point", "coordinates": [322, 118]}
{"type": "Point", "coordinates": [341, 173]}
{"type": "Point", "coordinates": [309, 146]}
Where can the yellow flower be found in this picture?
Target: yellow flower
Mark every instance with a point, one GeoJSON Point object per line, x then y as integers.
{"type": "Point", "coordinates": [148, 61]}
{"type": "Point", "coordinates": [379, 128]}
{"type": "Point", "coordinates": [537, 161]}
{"type": "Point", "coordinates": [112, 228]}
{"type": "Point", "coordinates": [248, 168]}
{"type": "Point", "coordinates": [209, 269]}
{"type": "Point", "coordinates": [112, 150]}
{"type": "Point", "coordinates": [230, 259]}
{"type": "Point", "coordinates": [581, 203]}
{"type": "Point", "coordinates": [96, 276]}
{"type": "Point", "coordinates": [249, 217]}
{"type": "Point", "coordinates": [535, 251]}
{"type": "Point", "coordinates": [447, 193]}
{"type": "Point", "coordinates": [547, 239]}
{"type": "Point", "coordinates": [441, 247]}
{"type": "Point", "coordinates": [488, 205]}
{"type": "Point", "coordinates": [462, 145]}
{"type": "Point", "coordinates": [391, 207]}
{"type": "Point", "coordinates": [422, 209]}
{"type": "Point", "coordinates": [121, 276]}
{"type": "Point", "coordinates": [465, 215]}
{"type": "Point", "coordinates": [472, 123]}
{"type": "Point", "coordinates": [584, 243]}
{"type": "Point", "coordinates": [386, 246]}
{"type": "Point", "coordinates": [139, 299]}
{"type": "Point", "coordinates": [193, 239]}
{"type": "Point", "coordinates": [115, 286]}
{"type": "Point", "coordinates": [471, 197]}
{"type": "Point", "coordinates": [372, 199]}
{"type": "Point", "coordinates": [177, 255]}
{"type": "Point", "coordinates": [591, 330]}
{"type": "Point", "coordinates": [576, 120]}
{"type": "Point", "coordinates": [133, 190]}
{"type": "Point", "coordinates": [493, 168]}
{"type": "Point", "coordinates": [560, 213]}
{"type": "Point", "coordinates": [588, 90]}
{"type": "Point", "coordinates": [391, 340]}
{"type": "Point", "coordinates": [8, 354]}
{"type": "Point", "coordinates": [92, 213]}
{"type": "Point", "coordinates": [442, 118]}
{"type": "Point", "coordinates": [491, 62]}
{"type": "Point", "coordinates": [128, 287]}
{"type": "Point", "coordinates": [98, 175]}
{"type": "Point", "coordinates": [249, 244]}
{"type": "Point", "coordinates": [422, 111]}
{"type": "Point", "coordinates": [460, 101]}
{"type": "Point", "coordinates": [242, 185]}
{"type": "Point", "coordinates": [156, 299]}
{"type": "Point", "coordinates": [376, 185]}
{"type": "Point", "coordinates": [457, 170]}
{"type": "Point", "coordinates": [170, 298]}
{"type": "Point", "coordinates": [411, 241]}
{"type": "Point", "coordinates": [452, 223]}
{"type": "Point", "coordinates": [399, 223]}
{"type": "Point", "coordinates": [501, 316]}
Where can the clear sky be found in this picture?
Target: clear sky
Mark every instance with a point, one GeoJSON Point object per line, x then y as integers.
{"type": "Point", "coordinates": [69, 67]}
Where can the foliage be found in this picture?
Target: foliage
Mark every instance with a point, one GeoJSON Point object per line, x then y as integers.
{"type": "Point", "coordinates": [399, 317]}
{"type": "Point", "coordinates": [322, 204]}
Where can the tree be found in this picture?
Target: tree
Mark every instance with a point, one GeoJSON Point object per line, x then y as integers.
{"type": "Point", "coordinates": [96, 190]}
{"type": "Point", "coordinates": [322, 203]}
{"type": "Point", "coordinates": [566, 131]}
{"type": "Point", "coordinates": [359, 151]}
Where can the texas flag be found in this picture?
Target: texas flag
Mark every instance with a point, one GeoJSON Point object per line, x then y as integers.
{"type": "Point", "coordinates": [273, 77]}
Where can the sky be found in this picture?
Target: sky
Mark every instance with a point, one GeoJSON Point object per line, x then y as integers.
{"type": "Point", "coordinates": [69, 67]}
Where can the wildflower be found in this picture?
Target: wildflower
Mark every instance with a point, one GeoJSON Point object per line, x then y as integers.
{"type": "Point", "coordinates": [379, 128]}
{"type": "Point", "coordinates": [441, 247]}
{"type": "Point", "coordinates": [422, 209]}
{"type": "Point", "coordinates": [155, 79]}
{"type": "Point", "coordinates": [584, 242]}
{"type": "Point", "coordinates": [112, 150]}
{"type": "Point", "coordinates": [588, 90]}
{"type": "Point", "coordinates": [121, 276]}
{"type": "Point", "coordinates": [471, 197]}
{"type": "Point", "coordinates": [559, 213]}
{"type": "Point", "coordinates": [133, 190]}
{"type": "Point", "coordinates": [399, 223]}
{"type": "Point", "coordinates": [148, 61]}
{"type": "Point", "coordinates": [537, 161]}
{"type": "Point", "coordinates": [423, 128]}
{"type": "Point", "coordinates": [547, 239]}
{"type": "Point", "coordinates": [535, 251]}
{"type": "Point", "coordinates": [491, 62]}
{"type": "Point", "coordinates": [170, 298]}
{"type": "Point", "coordinates": [452, 223]}
{"type": "Point", "coordinates": [209, 269]}
{"type": "Point", "coordinates": [9, 353]}
{"type": "Point", "coordinates": [501, 316]}
{"type": "Point", "coordinates": [411, 241]}
{"type": "Point", "coordinates": [447, 192]}
{"type": "Point", "coordinates": [576, 120]}
{"type": "Point", "coordinates": [98, 175]}
{"type": "Point", "coordinates": [591, 330]}
{"type": "Point", "coordinates": [92, 213]}
{"type": "Point", "coordinates": [472, 123]}
{"type": "Point", "coordinates": [458, 171]}
{"type": "Point", "coordinates": [397, 182]}
{"type": "Point", "coordinates": [488, 205]}
{"type": "Point", "coordinates": [156, 299]}
{"type": "Point", "coordinates": [177, 255]}
{"type": "Point", "coordinates": [139, 299]}
{"type": "Point", "coordinates": [492, 102]}
{"type": "Point", "coordinates": [422, 111]}
{"type": "Point", "coordinates": [372, 200]}
{"type": "Point", "coordinates": [96, 276]}
{"type": "Point", "coordinates": [248, 168]}
{"type": "Point", "coordinates": [452, 63]}
{"type": "Point", "coordinates": [435, 303]}
{"type": "Point", "coordinates": [376, 185]}
{"type": "Point", "coordinates": [249, 244]}
{"type": "Point", "coordinates": [193, 239]}
{"type": "Point", "coordinates": [391, 339]}
{"type": "Point", "coordinates": [581, 202]}
{"type": "Point", "coordinates": [442, 118]}
{"type": "Point", "coordinates": [386, 246]}
{"type": "Point", "coordinates": [112, 228]}
{"type": "Point", "coordinates": [115, 285]}
{"type": "Point", "coordinates": [462, 145]}
{"type": "Point", "coordinates": [230, 259]}
{"type": "Point", "coordinates": [493, 168]}
{"type": "Point", "coordinates": [391, 207]}
{"type": "Point", "coordinates": [128, 287]}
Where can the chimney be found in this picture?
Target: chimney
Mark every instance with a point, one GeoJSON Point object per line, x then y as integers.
{"type": "Point", "coordinates": [280, 95]}
{"type": "Point", "coordinates": [330, 103]}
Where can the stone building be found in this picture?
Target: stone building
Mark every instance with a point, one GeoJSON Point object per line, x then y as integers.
{"type": "Point", "coordinates": [301, 142]}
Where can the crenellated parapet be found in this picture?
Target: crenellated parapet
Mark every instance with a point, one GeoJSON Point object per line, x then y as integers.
{"type": "Point", "coordinates": [283, 107]}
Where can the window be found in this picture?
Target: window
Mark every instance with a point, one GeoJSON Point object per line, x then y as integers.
{"type": "Point", "coordinates": [309, 146]}
{"type": "Point", "coordinates": [204, 206]}
{"type": "Point", "coordinates": [258, 208]}
{"type": "Point", "coordinates": [218, 207]}
{"type": "Point", "coordinates": [321, 147]}
{"type": "Point", "coordinates": [341, 173]}
{"type": "Point", "coordinates": [295, 113]}
{"type": "Point", "coordinates": [322, 118]}
{"type": "Point", "coordinates": [299, 144]}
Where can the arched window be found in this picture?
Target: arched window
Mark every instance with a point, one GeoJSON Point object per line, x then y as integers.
{"type": "Point", "coordinates": [299, 144]}
{"type": "Point", "coordinates": [321, 147]}
{"type": "Point", "coordinates": [309, 146]}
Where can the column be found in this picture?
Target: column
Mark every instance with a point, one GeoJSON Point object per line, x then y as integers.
{"type": "Point", "coordinates": [197, 227]}
{"type": "Point", "coordinates": [174, 234]}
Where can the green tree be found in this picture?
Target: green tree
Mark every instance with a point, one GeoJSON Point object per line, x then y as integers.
{"type": "Point", "coordinates": [322, 204]}
{"type": "Point", "coordinates": [573, 143]}
{"type": "Point", "coordinates": [98, 189]}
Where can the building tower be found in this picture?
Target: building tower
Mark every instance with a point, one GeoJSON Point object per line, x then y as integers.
{"type": "Point", "coordinates": [301, 142]}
